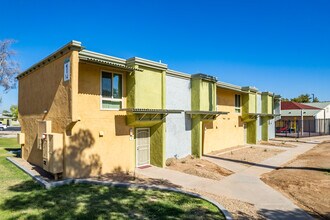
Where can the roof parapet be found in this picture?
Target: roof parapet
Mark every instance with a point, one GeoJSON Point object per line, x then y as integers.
{"type": "Point", "coordinates": [249, 89]}
{"type": "Point", "coordinates": [103, 57]}
{"type": "Point", "coordinates": [277, 97]}
{"type": "Point", "coordinates": [72, 45]}
{"type": "Point", "coordinates": [146, 63]}
{"type": "Point", "coordinates": [229, 86]}
{"type": "Point", "coordinates": [204, 76]}
{"type": "Point", "coordinates": [178, 74]}
{"type": "Point", "coordinates": [268, 93]}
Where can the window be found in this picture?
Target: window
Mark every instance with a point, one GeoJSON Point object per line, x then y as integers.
{"type": "Point", "coordinates": [111, 90]}
{"type": "Point", "coordinates": [237, 103]}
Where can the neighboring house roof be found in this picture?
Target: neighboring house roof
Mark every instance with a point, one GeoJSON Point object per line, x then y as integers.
{"type": "Point", "coordinates": [297, 113]}
{"type": "Point", "coordinates": [5, 117]}
{"type": "Point", "coordinates": [321, 105]}
{"type": "Point", "coordinates": [296, 105]}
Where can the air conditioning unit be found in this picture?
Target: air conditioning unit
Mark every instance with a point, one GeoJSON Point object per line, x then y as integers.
{"type": "Point", "coordinates": [53, 153]}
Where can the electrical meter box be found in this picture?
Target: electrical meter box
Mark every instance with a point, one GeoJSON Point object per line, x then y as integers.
{"type": "Point", "coordinates": [52, 153]}
{"type": "Point", "coordinates": [43, 128]}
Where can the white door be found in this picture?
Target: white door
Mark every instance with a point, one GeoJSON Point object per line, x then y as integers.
{"type": "Point", "coordinates": [245, 133]}
{"type": "Point", "coordinates": [142, 146]}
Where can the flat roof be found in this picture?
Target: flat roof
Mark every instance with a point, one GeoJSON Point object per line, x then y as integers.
{"type": "Point", "coordinates": [104, 59]}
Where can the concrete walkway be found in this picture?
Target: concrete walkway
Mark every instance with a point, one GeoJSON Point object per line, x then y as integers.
{"type": "Point", "coordinates": [244, 185]}
{"type": "Point", "coordinates": [229, 165]}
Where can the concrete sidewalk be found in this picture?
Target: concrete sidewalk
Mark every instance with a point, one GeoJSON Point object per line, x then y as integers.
{"type": "Point", "coordinates": [244, 185]}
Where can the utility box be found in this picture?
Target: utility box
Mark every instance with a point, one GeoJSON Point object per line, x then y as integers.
{"type": "Point", "coordinates": [53, 153]}
{"type": "Point", "coordinates": [21, 138]}
{"type": "Point", "coordinates": [44, 127]}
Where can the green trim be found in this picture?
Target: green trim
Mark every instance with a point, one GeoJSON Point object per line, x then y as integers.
{"type": "Point", "coordinates": [264, 128]}
{"type": "Point", "coordinates": [251, 132]}
{"type": "Point", "coordinates": [157, 145]}
{"type": "Point", "coordinates": [196, 136]}
{"type": "Point", "coordinates": [203, 102]}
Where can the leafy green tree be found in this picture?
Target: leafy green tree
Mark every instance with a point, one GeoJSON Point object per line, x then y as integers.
{"type": "Point", "coordinates": [303, 98]}
{"type": "Point", "coordinates": [316, 99]}
{"type": "Point", "coordinates": [14, 111]}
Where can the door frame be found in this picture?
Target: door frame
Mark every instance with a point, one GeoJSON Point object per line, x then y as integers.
{"type": "Point", "coordinates": [136, 150]}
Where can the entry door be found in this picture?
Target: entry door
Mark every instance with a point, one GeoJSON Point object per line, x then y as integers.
{"type": "Point", "coordinates": [245, 133]}
{"type": "Point", "coordinates": [142, 146]}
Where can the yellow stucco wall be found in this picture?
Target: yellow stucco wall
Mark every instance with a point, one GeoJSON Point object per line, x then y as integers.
{"type": "Point", "coordinates": [87, 153]}
{"type": "Point", "coordinates": [44, 90]}
{"type": "Point", "coordinates": [227, 130]}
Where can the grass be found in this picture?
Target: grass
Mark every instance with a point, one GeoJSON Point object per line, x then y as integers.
{"type": "Point", "coordinates": [22, 198]}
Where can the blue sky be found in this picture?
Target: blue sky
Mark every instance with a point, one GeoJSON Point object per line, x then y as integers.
{"type": "Point", "coordinates": [278, 46]}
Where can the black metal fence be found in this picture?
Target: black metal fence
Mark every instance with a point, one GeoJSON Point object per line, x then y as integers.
{"type": "Point", "coordinates": [302, 128]}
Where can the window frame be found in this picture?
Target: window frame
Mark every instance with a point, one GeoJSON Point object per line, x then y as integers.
{"type": "Point", "coordinates": [238, 110]}
{"type": "Point", "coordinates": [107, 98]}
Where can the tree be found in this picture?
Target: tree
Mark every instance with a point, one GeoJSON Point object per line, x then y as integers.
{"type": "Point", "coordinates": [303, 98]}
{"type": "Point", "coordinates": [6, 113]}
{"type": "Point", "coordinates": [14, 111]}
{"type": "Point", "coordinates": [9, 68]}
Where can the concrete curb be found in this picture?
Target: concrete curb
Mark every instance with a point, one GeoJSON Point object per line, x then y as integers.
{"type": "Point", "coordinates": [49, 185]}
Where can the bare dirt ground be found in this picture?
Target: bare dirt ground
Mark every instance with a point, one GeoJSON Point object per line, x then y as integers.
{"type": "Point", "coordinates": [250, 155]}
{"type": "Point", "coordinates": [198, 167]}
{"type": "Point", "coordinates": [227, 149]}
{"type": "Point", "coordinates": [306, 181]}
{"type": "Point", "coordinates": [239, 210]}
{"type": "Point", "coordinates": [277, 143]}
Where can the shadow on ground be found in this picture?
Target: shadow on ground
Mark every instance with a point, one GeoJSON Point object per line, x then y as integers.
{"type": "Point", "coordinates": [295, 214]}
{"type": "Point", "coordinates": [268, 166]}
{"type": "Point", "coordinates": [120, 176]}
{"type": "Point", "coordinates": [102, 202]}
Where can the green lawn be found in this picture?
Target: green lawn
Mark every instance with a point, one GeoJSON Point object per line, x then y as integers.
{"type": "Point", "coordinates": [22, 198]}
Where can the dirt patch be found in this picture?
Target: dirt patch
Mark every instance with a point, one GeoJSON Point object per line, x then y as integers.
{"type": "Point", "coordinates": [198, 167]}
{"type": "Point", "coordinates": [227, 150]}
{"type": "Point", "coordinates": [250, 155]}
{"type": "Point", "coordinates": [240, 210]}
{"type": "Point", "coordinates": [306, 180]}
{"type": "Point", "coordinates": [277, 143]}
